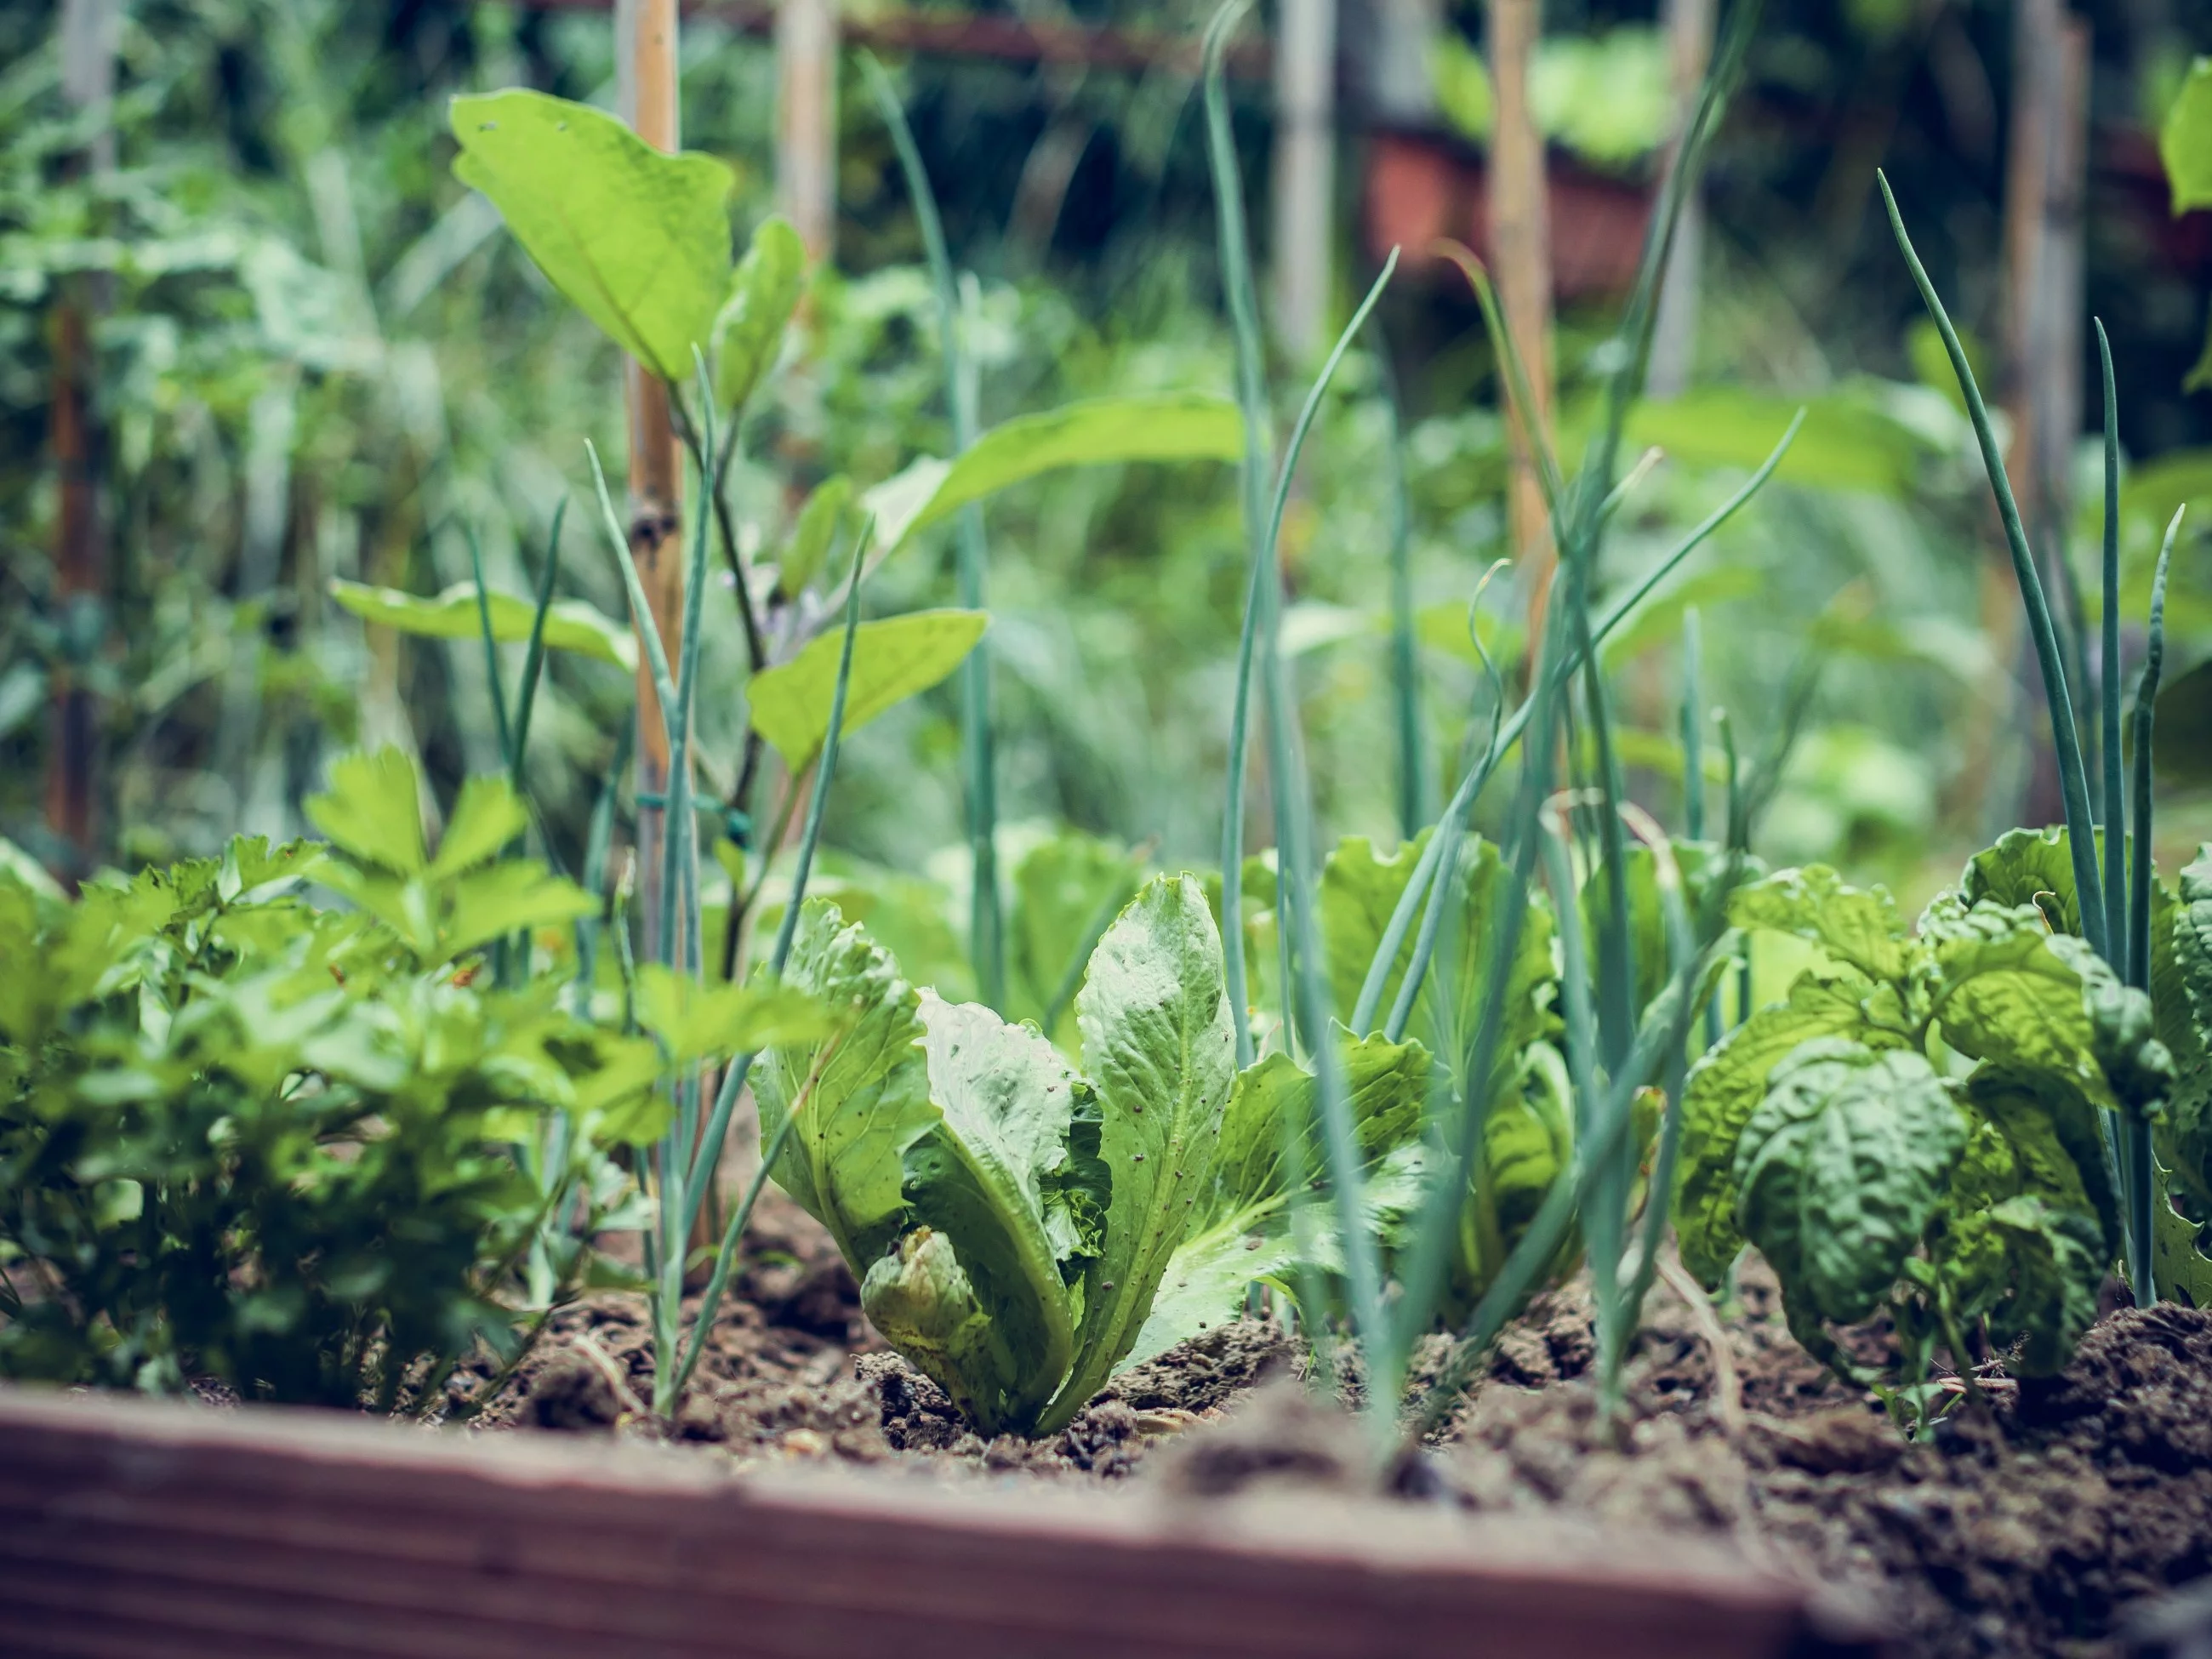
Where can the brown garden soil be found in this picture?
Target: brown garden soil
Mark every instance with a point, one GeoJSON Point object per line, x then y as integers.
{"type": "Point", "coordinates": [2032, 1524]}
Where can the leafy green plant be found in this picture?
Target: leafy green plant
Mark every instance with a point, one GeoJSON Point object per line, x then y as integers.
{"type": "Point", "coordinates": [1009, 1217]}
{"type": "Point", "coordinates": [1833, 1132]}
{"type": "Point", "coordinates": [244, 1138]}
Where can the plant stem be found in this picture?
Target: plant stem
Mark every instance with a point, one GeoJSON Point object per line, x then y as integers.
{"type": "Point", "coordinates": [1252, 398]}
{"type": "Point", "coordinates": [2109, 699]}
{"type": "Point", "coordinates": [986, 935]}
{"type": "Point", "coordinates": [2065, 739]}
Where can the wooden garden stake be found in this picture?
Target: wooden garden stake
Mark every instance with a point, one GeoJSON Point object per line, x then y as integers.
{"type": "Point", "coordinates": [89, 29]}
{"type": "Point", "coordinates": [1520, 251]}
{"type": "Point", "coordinates": [646, 34]}
{"type": "Point", "coordinates": [1304, 171]}
{"type": "Point", "coordinates": [806, 120]}
{"type": "Point", "coordinates": [1689, 26]}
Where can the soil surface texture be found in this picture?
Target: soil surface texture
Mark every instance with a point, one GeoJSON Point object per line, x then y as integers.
{"type": "Point", "coordinates": [2041, 1516]}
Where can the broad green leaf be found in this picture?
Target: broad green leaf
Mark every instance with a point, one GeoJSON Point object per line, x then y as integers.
{"type": "Point", "coordinates": [487, 816]}
{"type": "Point", "coordinates": [2181, 990]}
{"type": "Point", "coordinates": [1358, 890]}
{"type": "Point", "coordinates": [2031, 1270]}
{"type": "Point", "coordinates": [2006, 991]}
{"type": "Point", "coordinates": [1241, 1226]}
{"type": "Point", "coordinates": [372, 809]}
{"type": "Point", "coordinates": [2038, 1137]}
{"type": "Point", "coordinates": [1066, 890]}
{"type": "Point", "coordinates": [748, 330]}
{"type": "Point", "coordinates": [861, 1096]}
{"type": "Point", "coordinates": [1859, 928]}
{"type": "Point", "coordinates": [1725, 1089]}
{"type": "Point", "coordinates": [637, 240]}
{"type": "Point", "coordinates": [1158, 1046]}
{"type": "Point", "coordinates": [2122, 1034]}
{"type": "Point", "coordinates": [1010, 1178]}
{"type": "Point", "coordinates": [1847, 441]}
{"type": "Point", "coordinates": [899, 502]}
{"type": "Point", "coordinates": [697, 1021]}
{"type": "Point", "coordinates": [892, 659]}
{"type": "Point", "coordinates": [2178, 1257]}
{"type": "Point", "coordinates": [808, 549]}
{"type": "Point", "coordinates": [570, 625]}
{"type": "Point", "coordinates": [1157, 427]}
{"type": "Point", "coordinates": [2184, 141]}
{"type": "Point", "coordinates": [1841, 1169]}
{"type": "Point", "coordinates": [2027, 867]}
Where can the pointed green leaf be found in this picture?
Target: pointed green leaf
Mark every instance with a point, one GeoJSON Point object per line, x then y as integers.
{"type": "Point", "coordinates": [696, 1021]}
{"type": "Point", "coordinates": [1157, 1047]}
{"type": "Point", "coordinates": [637, 240]}
{"type": "Point", "coordinates": [808, 549]}
{"type": "Point", "coordinates": [372, 809]}
{"type": "Point", "coordinates": [1175, 425]}
{"type": "Point", "coordinates": [570, 625]}
{"type": "Point", "coordinates": [892, 660]}
{"type": "Point", "coordinates": [2184, 141]}
{"type": "Point", "coordinates": [487, 816]}
{"type": "Point", "coordinates": [505, 898]}
{"type": "Point", "coordinates": [748, 330]}
{"type": "Point", "coordinates": [1841, 1169]}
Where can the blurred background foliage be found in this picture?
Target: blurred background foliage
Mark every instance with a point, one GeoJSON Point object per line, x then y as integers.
{"type": "Point", "coordinates": [318, 356]}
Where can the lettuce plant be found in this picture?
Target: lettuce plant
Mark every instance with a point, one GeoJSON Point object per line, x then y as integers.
{"type": "Point", "coordinates": [1008, 1215]}
{"type": "Point", "coordinates": [1916, 1128]}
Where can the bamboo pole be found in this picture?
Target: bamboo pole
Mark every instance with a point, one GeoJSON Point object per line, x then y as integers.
{"type": "Point", "coordinates": [647, 39]}
{"type": "Point", "coordinates": [1520, 249]}
{"type": "Point", "coordinates": [88, 30]}
{"type": "Point", "coordinates": [1674, 331]}
{"type": "Point", "coordinates": [1305, 172]}
{"type": "Point", "coordinates": [806, 120]}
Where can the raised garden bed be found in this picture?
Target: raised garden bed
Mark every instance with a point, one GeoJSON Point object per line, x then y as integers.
{"type": "Point", "coordinates": [818, 1496]}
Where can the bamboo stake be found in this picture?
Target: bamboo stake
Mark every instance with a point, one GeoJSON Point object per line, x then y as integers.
{"type": "Point", "coordinates": [646, 35]}
{"type": "Point", "coordinates": [1675, 334]}
{"type": "Point", "coordinates": [806, 120]}
{"type": "Point", "coordinates": [1304, 169]}
{"type": "Point", "coordinates": [1520, 252]}
{"type": "Point", "coordinates": [89, 29]}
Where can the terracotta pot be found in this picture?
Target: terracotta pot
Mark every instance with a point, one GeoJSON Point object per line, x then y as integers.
{"type": "Point", "coordinates": [150, 1529]}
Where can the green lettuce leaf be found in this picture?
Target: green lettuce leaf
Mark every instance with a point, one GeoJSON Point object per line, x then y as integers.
{"type": "Point", "coordinates": [1159, 1048]}
{"type": "Point", "coordinates": [1004, 1178]}
{"type": "Point", "coordinates": [1240, 1229]}
{"type": "Point", "coordinates": [860, 1096]}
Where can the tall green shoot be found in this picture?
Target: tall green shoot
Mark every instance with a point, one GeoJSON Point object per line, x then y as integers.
{"type": "Point", "coordinates": [985, 933]}
{"type": "Point", "coordinates": [1235, 254]}
{"type": "Point", "coordinates": [2127, 1133]}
